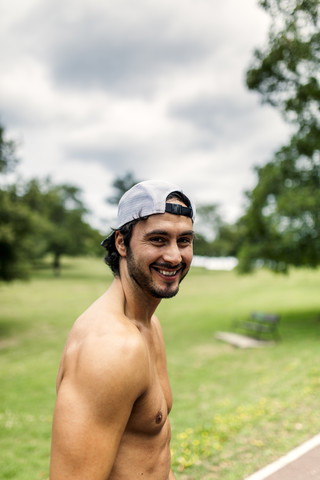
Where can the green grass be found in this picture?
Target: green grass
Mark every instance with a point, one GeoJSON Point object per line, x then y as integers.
{"type": "Point", "coordinates": [234, 410]}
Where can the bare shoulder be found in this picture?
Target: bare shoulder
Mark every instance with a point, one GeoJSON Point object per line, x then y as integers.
{"type": "Point", "coordinates": [106, 354]}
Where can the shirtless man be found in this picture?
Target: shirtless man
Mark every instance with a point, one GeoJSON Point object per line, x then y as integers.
{"type": "Point", "coordinates": [113, 393]}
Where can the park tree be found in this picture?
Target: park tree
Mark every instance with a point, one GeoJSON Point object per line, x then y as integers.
{"type": "Point", "coordinates": [209, 220]}
{"type": "Point", "coordinates": [63, 230]}
{"type": "Point", "coordinates": [17, 226]}
{"type": "Point", "coordinates": [120, 185]}
{"type": "Point", "coordinates": [207, 226]}
{"type": "Point", "coordinates": [38, 218]}
{"type": "Point", "coordinates": [214, 236]}
{"type": "Point", "coordinates": [17, 220]}
{"type": "Point", "coordinates": [8, 158]}
{"type": "Point", "coordinates": [282, 221]}
{"type": "Point", "coordinates": [228, 240]}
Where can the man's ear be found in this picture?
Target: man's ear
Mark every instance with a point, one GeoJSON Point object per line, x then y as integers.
{"type": "Point", "coordinates": [119, 243]}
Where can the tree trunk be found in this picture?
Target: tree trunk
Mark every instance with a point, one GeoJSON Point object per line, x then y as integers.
{"type": "Point", "coordinates": [56, 264]}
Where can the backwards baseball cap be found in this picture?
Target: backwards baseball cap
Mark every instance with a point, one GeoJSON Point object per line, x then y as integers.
{"type": "Point", "coordinates": [149, 198]}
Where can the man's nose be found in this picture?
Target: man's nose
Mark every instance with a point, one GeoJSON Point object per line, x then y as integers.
{"type": "Point", "coordinates": [172, 254]}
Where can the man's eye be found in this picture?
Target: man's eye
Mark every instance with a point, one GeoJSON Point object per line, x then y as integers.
{"type": "Point", "coordinates": [157, 240]}
{"type": "Point", "coordinates": [185, 241]}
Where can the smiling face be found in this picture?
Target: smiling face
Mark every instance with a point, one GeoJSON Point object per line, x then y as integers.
{"type": "Point", "coordinates": [160, 253]}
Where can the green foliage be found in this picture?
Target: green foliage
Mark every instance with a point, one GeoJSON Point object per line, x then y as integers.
{"type": "Point", "coordinates": [7, 153]}
{"type": "Point", "coordinates": [282, 224]}
{"type": "Point", "coordinates": [228, 240]}
{"type": "Point", "coordinates": [16, 221]}
{"type": "Point", "coordinates": [214, 237]}
{"type": "Point", "coordinates": [40, 218]}
{"type": "Point", "coordinates": [17, 239]}
{"type": "Point", "coordinates": [208, 220]}
{"type": "Point", "coordinates": [202, 247]}
{"type": "Point", "coordinates": [62, 211]}
{"type": "Point", "coordinates": [286, 73]}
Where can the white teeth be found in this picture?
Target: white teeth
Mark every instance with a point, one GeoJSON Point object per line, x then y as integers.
{"type": "Point", "coordinates": [167, 274]}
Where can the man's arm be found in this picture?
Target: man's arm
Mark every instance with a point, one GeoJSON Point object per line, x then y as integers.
{"type": "Point", "coordinates": [93, 406]}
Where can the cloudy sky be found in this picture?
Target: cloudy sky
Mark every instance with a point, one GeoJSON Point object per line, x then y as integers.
{"type": "Point", "coordinates": [92, 89]}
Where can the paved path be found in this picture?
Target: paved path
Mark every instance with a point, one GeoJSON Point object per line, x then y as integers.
{"type": "Point", "coordinates": [242, 341]}
{"type": "Point", "coordinates": [302, 463]}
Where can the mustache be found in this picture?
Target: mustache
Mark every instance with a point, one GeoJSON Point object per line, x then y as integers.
{"type": "Point", "coordinates": [169, 266]}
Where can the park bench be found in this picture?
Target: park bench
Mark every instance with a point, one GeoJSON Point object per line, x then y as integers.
{"type": "Point", "coordinates": [260, 325]}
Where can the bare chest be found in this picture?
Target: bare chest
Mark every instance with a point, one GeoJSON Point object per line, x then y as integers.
{"type": "Point", "coordinates": [150, 411]}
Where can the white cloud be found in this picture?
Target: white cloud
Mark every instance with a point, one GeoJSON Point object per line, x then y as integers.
{"type": "Point", "coordinates": [94, 89]}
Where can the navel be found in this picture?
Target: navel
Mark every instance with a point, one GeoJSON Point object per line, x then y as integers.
{"type": "Point", "coordinates": [159, 417]}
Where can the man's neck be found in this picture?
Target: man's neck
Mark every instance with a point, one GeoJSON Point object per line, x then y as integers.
{"type": "Point", "coordinates": [139, 306]}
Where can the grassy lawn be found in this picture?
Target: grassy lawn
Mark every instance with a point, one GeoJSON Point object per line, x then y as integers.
{"type": "Point", "coordinates": [234, 410]}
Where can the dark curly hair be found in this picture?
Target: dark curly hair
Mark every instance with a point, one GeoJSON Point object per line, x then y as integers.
{"type": "Point", "coordinates": [112, 257]}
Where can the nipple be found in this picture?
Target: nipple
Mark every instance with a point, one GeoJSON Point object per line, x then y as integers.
{"type": "Point", "coordinates": [159, 417]}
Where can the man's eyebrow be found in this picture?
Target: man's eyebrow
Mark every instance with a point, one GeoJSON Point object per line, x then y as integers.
{"type": "Point", "coordinates": [187, 233]}
{"type": "Point", "coordinates": [156, 232]}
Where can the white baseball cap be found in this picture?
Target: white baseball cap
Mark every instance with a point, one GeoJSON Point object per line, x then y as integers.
{"type": "Point", "coordinates": [149, 198]}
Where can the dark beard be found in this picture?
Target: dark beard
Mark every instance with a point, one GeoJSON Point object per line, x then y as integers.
{"type": "Point", "coordinates": [145, 283]}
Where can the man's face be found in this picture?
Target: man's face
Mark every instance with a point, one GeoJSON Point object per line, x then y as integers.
{"type": "Point", "coordinates": [160, 253]}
